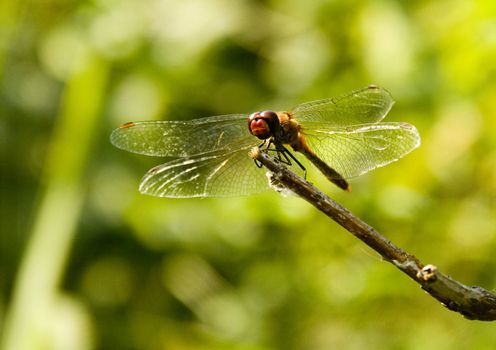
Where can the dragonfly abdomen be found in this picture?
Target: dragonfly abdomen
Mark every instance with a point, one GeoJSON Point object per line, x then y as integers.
{"type": "Point", "coordinates": [331, 174]}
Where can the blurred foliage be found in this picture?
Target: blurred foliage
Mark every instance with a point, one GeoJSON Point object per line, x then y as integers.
{"type": "Point", "coordinates": [88, 262]}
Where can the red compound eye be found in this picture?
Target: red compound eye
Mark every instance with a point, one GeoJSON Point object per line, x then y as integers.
{"type": "Point", "coordinates": [263, 124]}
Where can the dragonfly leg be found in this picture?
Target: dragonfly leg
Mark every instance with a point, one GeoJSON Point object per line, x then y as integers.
{"type": "Point", "coordinates": [280, 154]}
{"type": "Point", "coordinates": [257, 163]}
{"type": "Point", "coordinates": [268, 144]}
{"type": "Point", "coordinates": [283, 155]}
{"type": "Point", "coordinates": [285, 152]}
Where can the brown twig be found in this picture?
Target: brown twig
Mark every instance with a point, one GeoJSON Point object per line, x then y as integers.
{"type": "Point", "coordinates": [474, 302]}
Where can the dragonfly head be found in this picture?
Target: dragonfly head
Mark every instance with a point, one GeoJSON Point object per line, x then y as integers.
{"type": "Point", "coordinates": [263, 124]}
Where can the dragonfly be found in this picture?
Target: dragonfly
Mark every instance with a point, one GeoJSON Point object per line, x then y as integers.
{"type": "Point", "coordinates": [343, 137]}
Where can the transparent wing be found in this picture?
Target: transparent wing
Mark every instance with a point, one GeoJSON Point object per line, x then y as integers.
{"type": "Point", "coordinates": [217, 174]}
{"type": "Point", "coordinates": [184, 138]}
{"type": "Point", "coordinates": [364, 106]}
{"type": "Point", "coordinates": [356, 150]}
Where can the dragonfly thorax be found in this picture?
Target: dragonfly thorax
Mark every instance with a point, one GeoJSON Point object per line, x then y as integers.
{"type": "Point", "coordinates": [263, 124]}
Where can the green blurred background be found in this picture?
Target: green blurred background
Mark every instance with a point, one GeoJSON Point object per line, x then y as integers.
{"type": "Point", "coordinates": [87, 262]}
